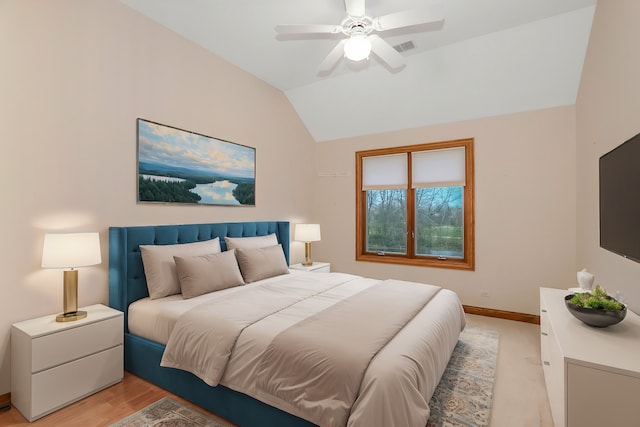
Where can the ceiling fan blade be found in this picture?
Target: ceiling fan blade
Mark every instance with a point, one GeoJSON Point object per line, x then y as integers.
{"type": "Point", "coordinates": [386, 52]}
{"type": "Point", "coordinates": [332, 59]}
{"type": "Point", "coordinates": [407, 18]}
{"type": "Point", "coordinates": [355, 8]}
{"type": "Point", "coordinates": [307, 29]}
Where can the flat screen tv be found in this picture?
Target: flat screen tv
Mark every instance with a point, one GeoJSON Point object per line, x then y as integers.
{"type": "Point", "coordinates": [620, 199]}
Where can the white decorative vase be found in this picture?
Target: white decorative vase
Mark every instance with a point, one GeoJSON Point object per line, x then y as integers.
{"type": "Point", "coordinates": [585, 279]}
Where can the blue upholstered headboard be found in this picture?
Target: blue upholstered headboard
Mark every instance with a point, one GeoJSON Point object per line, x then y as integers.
{"type": "Point", "coordinates": [127, 282]}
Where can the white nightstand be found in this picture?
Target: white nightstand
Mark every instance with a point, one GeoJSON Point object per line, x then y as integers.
{"type": "Point", "coordinates": [56, 363]}
{"type": "Point", "coordinates": [317, 267]}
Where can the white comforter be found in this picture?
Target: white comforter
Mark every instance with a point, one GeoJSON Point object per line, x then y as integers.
{"type": "Point", "coordinates": [396, 387]}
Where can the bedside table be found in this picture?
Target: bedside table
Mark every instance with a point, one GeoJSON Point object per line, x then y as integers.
{"type": "Point", "coordinates": [317, 267]}
{"type": "Point", "coordinates": [54, 363]}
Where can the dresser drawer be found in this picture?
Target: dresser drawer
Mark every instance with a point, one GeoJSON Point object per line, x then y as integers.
{"type": "Point", "coordinates": [59, 386]}
{"type": "Point", "coordinates": [544, 335]}
{"type": "Point", "coordinates": [54, 349]}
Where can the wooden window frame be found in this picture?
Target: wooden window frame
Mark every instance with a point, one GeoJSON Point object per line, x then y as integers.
{"type": "Point", "coordinates": [467, 262]}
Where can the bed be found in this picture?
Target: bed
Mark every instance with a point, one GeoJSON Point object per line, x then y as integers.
{"type": "Point", "coordinates": [247, 393]}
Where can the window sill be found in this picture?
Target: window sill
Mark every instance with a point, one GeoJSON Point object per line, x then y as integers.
{"type": "Point", "coordinates": [455, 264]}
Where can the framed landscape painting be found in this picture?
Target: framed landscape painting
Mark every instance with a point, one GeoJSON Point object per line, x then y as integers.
{"type": "Point", "coordinates": [178, 166]}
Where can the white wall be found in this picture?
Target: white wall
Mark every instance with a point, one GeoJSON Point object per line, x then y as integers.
{"type": "Point", "coordinates": [607, 115]}
{"type": "Point", "coordinates": [75, 76]}
{"type": "Point", "coordinates": [525, 207]}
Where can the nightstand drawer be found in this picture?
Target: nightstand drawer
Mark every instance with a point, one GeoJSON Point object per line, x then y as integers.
{"type": "Point", "coordinates": [61, 347]}
{"type": "Point", "coordinates": [59, 386]}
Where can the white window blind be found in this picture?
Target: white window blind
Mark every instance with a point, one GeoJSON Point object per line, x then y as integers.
{"type": "Point", "coordinates": [438, 168]}
{"type": "Point", "coordinates": [387, 172]}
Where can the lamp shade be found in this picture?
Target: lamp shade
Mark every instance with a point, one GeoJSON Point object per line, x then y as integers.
{"type": "Point", "coordinates": [70, 250]}
{"type": "Point", "coordinates": [307, 232]}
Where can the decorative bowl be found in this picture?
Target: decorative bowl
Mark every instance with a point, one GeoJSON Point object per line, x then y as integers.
{"type": "Point", "coordinates": [597, 318]}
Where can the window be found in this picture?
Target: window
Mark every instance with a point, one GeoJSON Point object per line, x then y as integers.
{"type": "Point", "coordinates": [414, 205]}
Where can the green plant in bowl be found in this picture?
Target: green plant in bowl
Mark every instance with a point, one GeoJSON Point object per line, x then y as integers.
{"type": "Point", "coordinates": [598, 299]}
{"type": "Point", "coordinates": [596, 308]}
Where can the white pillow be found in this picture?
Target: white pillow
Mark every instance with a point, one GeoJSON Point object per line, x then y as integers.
{"type": "Point", "coordinates": [251, 242]}
{"type": "Point", "coordinates": [202, 274]}
{"type": "Point", "coordinates": [160, 268]}
{"type": "Point", "coordinates": [261, 263]}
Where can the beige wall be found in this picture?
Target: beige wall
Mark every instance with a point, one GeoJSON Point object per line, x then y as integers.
{"type": "Point", "coordinates": [607, 115]}
{"type": "Point", "coordinates": [75, 76]}
{"type": "Point", "coordinates": [525, 207]}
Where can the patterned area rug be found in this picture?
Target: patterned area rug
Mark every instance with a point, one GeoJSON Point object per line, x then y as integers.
{"type": "Point", "coordinates": [463, 397]}
{"type": "Point", "coordinates": [167, 412]}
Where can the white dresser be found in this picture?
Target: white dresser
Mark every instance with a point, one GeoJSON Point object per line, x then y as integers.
{"type": "Point", "coordinates": [56, 363]}
{"type": "Point", "coordinates": [592, 375]}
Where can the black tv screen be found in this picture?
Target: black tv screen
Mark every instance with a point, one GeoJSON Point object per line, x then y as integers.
{"type": "Point", "coordinates": [620, 199]}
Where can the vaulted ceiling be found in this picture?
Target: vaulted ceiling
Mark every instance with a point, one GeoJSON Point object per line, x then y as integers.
{"type": "Point", "coordinates": [487, 58]}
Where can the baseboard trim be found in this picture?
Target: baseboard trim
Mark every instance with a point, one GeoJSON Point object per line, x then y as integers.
{"type": "Point", "coordinates": [5, 401]}
{"type": "Point", "coordinates": [502, 314]}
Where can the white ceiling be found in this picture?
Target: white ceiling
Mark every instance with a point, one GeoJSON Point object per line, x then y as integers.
{"type": "Point", "coordinates": [489, 57]}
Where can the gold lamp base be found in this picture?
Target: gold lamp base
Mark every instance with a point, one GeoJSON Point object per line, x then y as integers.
{"type": "Point", "coordinates": [307, 255]}
{"type": "Point", "coordinates": [70, 298]}
{"type": "Point", "coordinates": [70, 317]}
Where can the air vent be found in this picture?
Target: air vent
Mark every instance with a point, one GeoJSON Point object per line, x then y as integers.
{"type": "Point", "coordinates": [404, 46]}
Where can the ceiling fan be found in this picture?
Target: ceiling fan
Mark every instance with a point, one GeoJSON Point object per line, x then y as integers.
{"type": "Point", "coordinates": [359, 29]}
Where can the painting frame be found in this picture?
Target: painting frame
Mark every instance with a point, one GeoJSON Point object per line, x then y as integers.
{"type": "Point", "coordinates": [179, 166]}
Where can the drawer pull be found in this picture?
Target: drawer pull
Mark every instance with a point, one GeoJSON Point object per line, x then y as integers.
{"type": "Point", "coordinates": [546, 363]}
{"type": "Point", "coordinates": [543, 310]}
{"type": "Point", "coordinates": [544, 333]}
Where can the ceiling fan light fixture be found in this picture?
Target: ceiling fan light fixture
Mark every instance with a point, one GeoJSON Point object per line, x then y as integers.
{"type": "Point", "coordinates": [357, 48]}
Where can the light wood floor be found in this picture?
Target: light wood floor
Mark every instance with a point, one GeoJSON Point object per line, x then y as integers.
{"type": "Point", "coordinates": [101, 409]}
{"type": "Point", "coordinates": [519, 400]}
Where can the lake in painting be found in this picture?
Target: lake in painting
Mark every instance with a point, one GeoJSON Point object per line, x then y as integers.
{"type": "Point", "coordinates": [219, 192]}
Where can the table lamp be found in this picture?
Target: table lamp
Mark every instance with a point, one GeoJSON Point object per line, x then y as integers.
{"type": "Point", "coordinates": [69, 251]}
{"type": "Point", "coordinates": [307, 233]}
